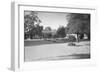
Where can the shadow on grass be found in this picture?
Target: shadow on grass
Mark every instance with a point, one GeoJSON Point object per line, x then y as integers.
{"type": "Point", "coordinates": [64, 57]}
{"type": "Point", "coordinates": [42, 42]}
{"type": "Point", "coordinates": [80, 56]}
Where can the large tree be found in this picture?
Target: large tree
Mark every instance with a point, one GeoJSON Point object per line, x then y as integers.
{"type": "Point", "coordinates": [48, 28]}
{"type": "Point", "coordinates": [78, 24]}
{"type": "Point", "coordinates": [31, 24]}
{"type": "Point", "coordinates": [61, 32]}
{"type": "Point", "coordinates": [47, 32]}
{"type": "Point", "coordinates": [36, 32]}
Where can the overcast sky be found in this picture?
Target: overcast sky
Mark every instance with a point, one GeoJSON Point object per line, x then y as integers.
{"type": "Point", "coordinates": [52, 19]}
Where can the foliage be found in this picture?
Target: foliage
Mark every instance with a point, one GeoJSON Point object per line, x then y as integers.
{"type": "Point", "coordinates": [47, 35]}
{"type": "Point", "coordinates": [61, 32]}
{"type": "Point", "coordinates": [71, 44]}
{"type": "Point", "coordinates": [31, 25]}
{"type": "Point", "coordinates": [78, 24]}
{"type": "Point", "coordinates": [55, 36]}
{"type": "Point", "coordinates": [48, 29]}
{"type": "Point", "coordinates": [36, 32]}
{"type": "Point", "coordinates": [71, 38]}
{"type": "Point", "coordinates": [47, 32]}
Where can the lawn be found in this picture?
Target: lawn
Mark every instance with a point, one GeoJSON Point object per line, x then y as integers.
{"type": "Point", "coordinates": [35, 42]}
{"type": "Point", "coordinates": [59, 50]}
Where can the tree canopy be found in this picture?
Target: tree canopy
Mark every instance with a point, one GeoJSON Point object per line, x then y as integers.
{"type": "Point", "coordinates": [78, 23]}
{"type": "Point", "coordinates": [61, 32]}
{"type": "Point", "coordinates": [48, 28]}
{"type": "Point", "coordinates": [31, 24]}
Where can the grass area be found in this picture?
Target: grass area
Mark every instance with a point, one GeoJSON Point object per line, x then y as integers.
{"type": "Point", "coordinates": [47, 41]}
{"type": "Point", "coordinates": [57, 51]}
{"type": "Point", "coordinates": [42, 42]}
{"type": "Point", "coordinates": [64, 57]}
{"type": "Point", "coordinates": [80, 56]}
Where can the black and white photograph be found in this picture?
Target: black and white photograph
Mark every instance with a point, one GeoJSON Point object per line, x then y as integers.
{"type": "Point", "coordinates": [50, 36]}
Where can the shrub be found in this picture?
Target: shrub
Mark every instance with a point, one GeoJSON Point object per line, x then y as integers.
{"type": "Point", "coordinates": [71, 44]}
{"type": "Point", "coordinates": [71, 38]}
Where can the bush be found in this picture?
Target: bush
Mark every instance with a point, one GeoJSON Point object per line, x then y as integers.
{"type": "Point", "coordinates": [71, 44]}
{"type": "Point", "coordinates": [47, 35]}
{"type": "Point", "coordinates": [55, 36]}
{"type": "Point", "coordinates": [71, 38]}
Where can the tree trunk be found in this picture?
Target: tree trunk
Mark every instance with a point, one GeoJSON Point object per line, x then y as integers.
{"type": "Point", "coordinates": [81, 36]}
{"type": "Point", "coordinates": [77, 37]}
{"type": "Point", "coordinates": [88, 36]}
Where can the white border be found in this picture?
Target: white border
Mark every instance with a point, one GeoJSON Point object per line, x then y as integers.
{"type": "Point", "coordinates": [18, 28]}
